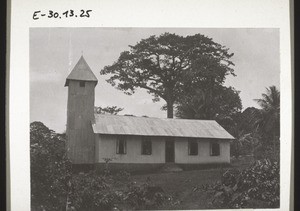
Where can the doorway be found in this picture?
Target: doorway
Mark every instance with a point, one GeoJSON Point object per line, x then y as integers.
{"type": "Point", "coordinates": [170, 150]}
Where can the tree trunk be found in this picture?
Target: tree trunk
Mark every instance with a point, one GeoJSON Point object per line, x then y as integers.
{"type": "Point", "coordinates": [169, 110]}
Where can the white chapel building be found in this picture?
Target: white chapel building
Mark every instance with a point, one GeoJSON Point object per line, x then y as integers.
{"type": "Point", "coordinates": [135, 142]}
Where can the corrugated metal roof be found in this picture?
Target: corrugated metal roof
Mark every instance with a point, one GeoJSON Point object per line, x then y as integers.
{"type": "Point", "coordinates": [145, 126]}
{"type": "Point", "coordinates": [81, 72]}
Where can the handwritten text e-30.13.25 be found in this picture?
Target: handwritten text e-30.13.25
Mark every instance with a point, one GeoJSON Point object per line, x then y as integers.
{"type": "Point", "coordinates": [66, 14]}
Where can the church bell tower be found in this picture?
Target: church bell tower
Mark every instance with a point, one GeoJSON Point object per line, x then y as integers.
{"type": "Point", "coordinates": [81, 84]}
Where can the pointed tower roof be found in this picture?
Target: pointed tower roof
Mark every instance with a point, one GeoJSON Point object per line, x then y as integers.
{"type": "Point", "coordinates": [81, 72]}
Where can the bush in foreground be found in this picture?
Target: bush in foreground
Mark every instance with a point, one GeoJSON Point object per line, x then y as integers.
{"type": "Point", "coordinates": [259, 182]}
{"type": "Point", "coordinates": [91, 191]}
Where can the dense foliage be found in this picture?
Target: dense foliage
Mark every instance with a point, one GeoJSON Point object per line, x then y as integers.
{"type": "Point", "coordinates": [164, 65]}
{"type": "Point", "coordinates": [240, 188]}
{"type": "Point", "coordinates": [50, 168]}
{"type": "Point", "coordinates": [91, 191]}
{"type": "Point", "coordinates": [201, 102]}
{"type": "Point", "coordinates": [257, 131]}
{"type": "Point", "coordinates": [144, 196]}
{"type": "Point", "coordinates": [267, 120]}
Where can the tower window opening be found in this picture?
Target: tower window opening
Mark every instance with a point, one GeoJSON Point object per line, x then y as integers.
{"type": "Point", "coordinates": [82, 84]}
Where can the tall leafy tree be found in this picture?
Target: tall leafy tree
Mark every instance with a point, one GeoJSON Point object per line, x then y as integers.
{"type": "Point", "coordinates": [163, 64]}
{"type": "Point", "coordinates": [199, 103]}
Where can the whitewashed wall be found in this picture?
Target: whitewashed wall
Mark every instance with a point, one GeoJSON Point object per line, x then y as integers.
{"type": "Point", "coordinates": [182, 156]}
{"type": "Point", "coordinates": [106, 148]}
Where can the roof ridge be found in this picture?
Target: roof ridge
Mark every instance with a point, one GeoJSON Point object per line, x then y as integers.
{"type": "Point", "coordinates": [114, 115]}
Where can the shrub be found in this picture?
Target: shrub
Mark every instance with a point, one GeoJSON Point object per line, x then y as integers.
{"type": "Point", "coordinates": [145, 196]}
{"type": "Point", "coordinates": [50, 168]}
{"type": "Point", "coordinates": [258, 182]}
{"type": "Point", "coordinates": [122, 177]}
{"type": "Point", "coordinates": [90, 191]}
{"type": "Point", "coordinates": [270, 151]}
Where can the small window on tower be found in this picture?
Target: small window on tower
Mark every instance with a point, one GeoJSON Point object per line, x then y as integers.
{"type": "Point", "coordinates": [82, 84]}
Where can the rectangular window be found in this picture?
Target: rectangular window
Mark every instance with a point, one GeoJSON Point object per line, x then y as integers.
{"type": "Point", "coordinates": [214, 149]}
{"type": "Point", "coordinates": [82, 84]}
{"type": "Point", "coordinates": [193, 147]}
{"type": "Point", "coordinates": [146, 146]}
{"type": "Point", "coordinates": [121, 146]}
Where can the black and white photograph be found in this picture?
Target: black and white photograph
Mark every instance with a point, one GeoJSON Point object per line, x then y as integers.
{"type": "Point", "coordinates": [154, 118]}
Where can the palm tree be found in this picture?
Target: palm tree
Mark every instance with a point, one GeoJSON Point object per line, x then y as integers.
{"type": "Point", "coordinates": [267, 120]}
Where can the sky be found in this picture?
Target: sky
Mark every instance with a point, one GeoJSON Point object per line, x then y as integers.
{"type": "Point", "coordinates": [55, 51]}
